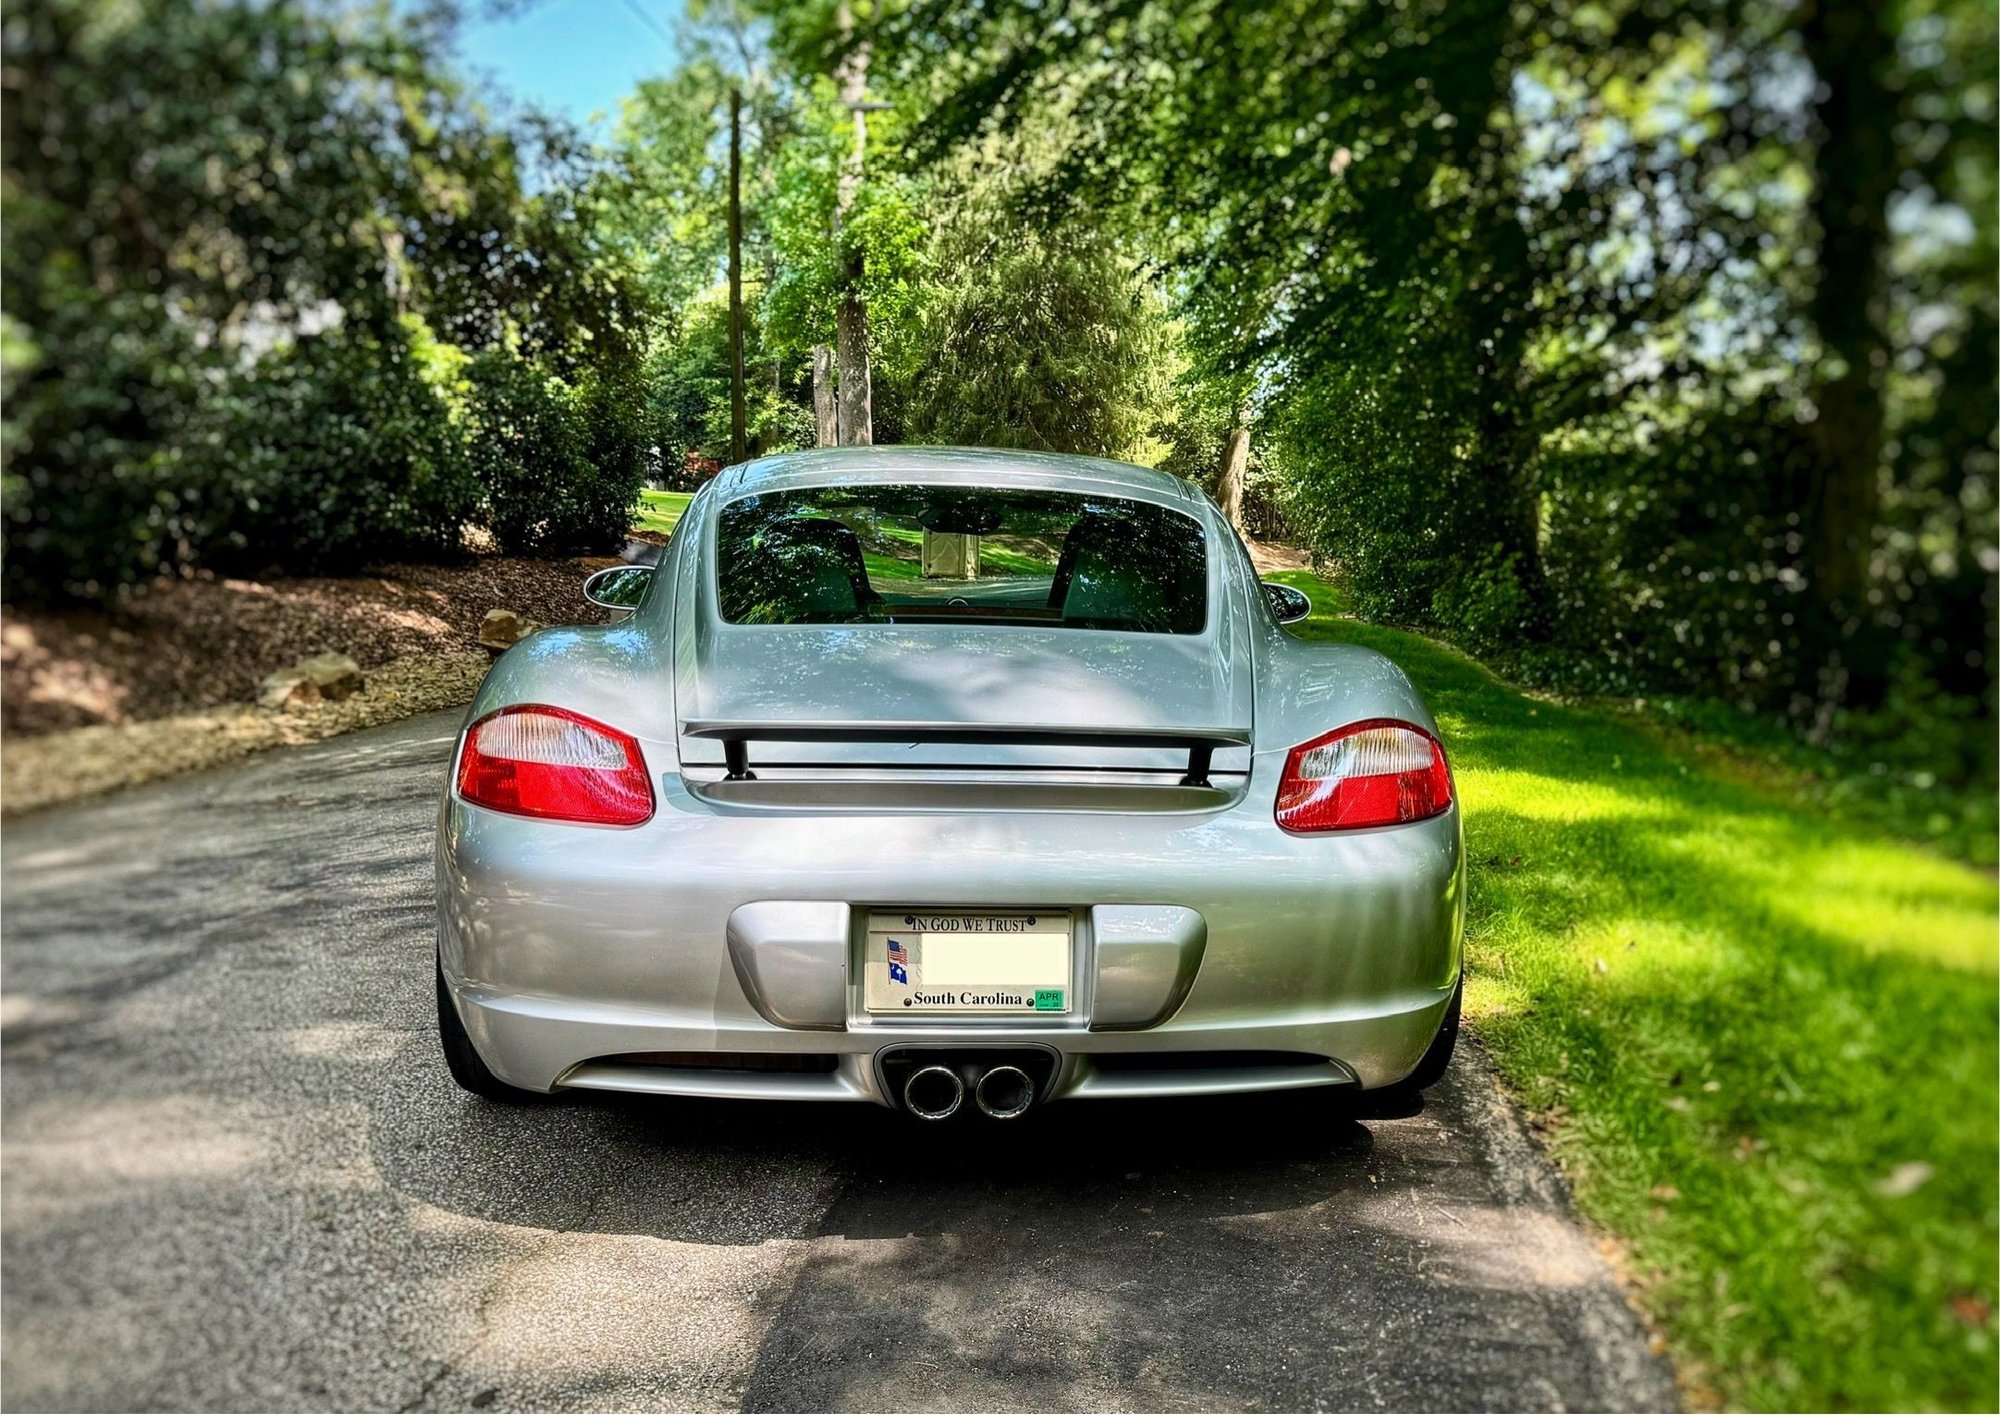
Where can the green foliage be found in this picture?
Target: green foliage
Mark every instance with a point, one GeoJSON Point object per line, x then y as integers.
{"type": "Point", "coordinates": [880, 234]}
{"type": "Point", "coordinates": [252, 250]}
{"type": "Point", "coordinates": [1552, 315]}
{"type": "Point", "coordinates": [560, 461]}
{"type": "Point", "coordinates": [687, 391]}
{"type": "Point", "coordinates": [1740, 1017]}
{"type": "Point", "coordinates": [667, 199]}
{"type": "Point", "coordinates": [334, 451]}
{"type": "Point", "coordinates": [109, 469]}
{"type": "Point", "coordinates": [981, 331]}
{"type": "Point", "coordinates": [1026, 341]}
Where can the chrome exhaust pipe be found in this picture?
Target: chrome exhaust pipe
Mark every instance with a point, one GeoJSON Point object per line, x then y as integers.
{"type": "Point", "coordinates": [1004, 1092]}
{"type": "Point", "coordinates": [933, 1093]}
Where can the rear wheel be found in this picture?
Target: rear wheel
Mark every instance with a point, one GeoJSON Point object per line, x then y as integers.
{"type": "Point", "coordinates": [1430, 1070]}
{"type": "Point", "coordinates": [462, 1059]}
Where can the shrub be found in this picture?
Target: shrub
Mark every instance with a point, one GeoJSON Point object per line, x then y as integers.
{"type": "Point", "coordinates": [220, 220]}
{"type": "Point", "coordinates": [340, 450]}
{"type": "Point", "coordinates": [561, 461]}
{"type": "Point", "coordinates": [108, 475]}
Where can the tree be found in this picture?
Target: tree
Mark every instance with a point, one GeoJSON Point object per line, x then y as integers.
{"type": "Point", "coordinates": [250, 251]}
{"type": "Point", "coordinates": [1477, 257]}
{"type": "Point", "coordinates": [1031, 341]}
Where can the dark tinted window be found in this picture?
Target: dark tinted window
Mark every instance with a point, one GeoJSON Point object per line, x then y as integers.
{"type": "Point", "coordinates": [916, 554]}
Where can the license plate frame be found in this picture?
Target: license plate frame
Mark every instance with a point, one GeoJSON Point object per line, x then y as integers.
{"type": "Point", "coordinates": [968, 963]}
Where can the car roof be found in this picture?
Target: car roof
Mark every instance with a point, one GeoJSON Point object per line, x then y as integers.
{"type": "Point", "coordinates": [949, 466]}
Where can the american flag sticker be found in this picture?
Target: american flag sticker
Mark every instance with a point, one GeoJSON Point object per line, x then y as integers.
{"type": "Point", "coordinates": [899, 962]}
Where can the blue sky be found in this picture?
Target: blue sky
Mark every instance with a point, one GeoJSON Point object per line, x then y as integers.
{"type": "Point", "coordinates": [575, 57]}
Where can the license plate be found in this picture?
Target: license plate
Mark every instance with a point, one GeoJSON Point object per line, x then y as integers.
{"type": "Point", "coordinates": [980, 964]}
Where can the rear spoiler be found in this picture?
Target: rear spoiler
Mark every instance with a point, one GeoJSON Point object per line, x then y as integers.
{"type": "Point", "coordinates": [1199, 742]}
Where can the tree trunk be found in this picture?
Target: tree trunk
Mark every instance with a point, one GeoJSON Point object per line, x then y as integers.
{"type": "Point", "coordinates": [1847, 42]}
{"type": "Point", "coordinates": [1512, 504]}
{"type": "Point", "coordinates": [857, 412]}
{"type": "Point", "coordinates": [826, 416]}
{"type": "Point", "coordinates": [1235, 465]}
{"type": "Point", "coordinates": [1502, 503]}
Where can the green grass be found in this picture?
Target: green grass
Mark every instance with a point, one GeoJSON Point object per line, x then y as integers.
{"type": "Point", "coordinates": [890, 567]}
{"type": "Point", "coordinates": [991, 556]}
{"type": "Point", "coordinates": [661, 510]}
{"type": "Point", "coordinates": [1894, 784]}
{"type": "Point", "coordinates": [1737, 1019]}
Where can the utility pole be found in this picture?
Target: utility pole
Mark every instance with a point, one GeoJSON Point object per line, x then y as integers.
{"type": "Point", "coordinates": [857, 413]}
{"type": "Point", "coordinates": [738, 444]}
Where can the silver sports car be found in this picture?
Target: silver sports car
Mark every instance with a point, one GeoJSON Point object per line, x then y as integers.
{"type": "Point", "coordinates": [948, 780]}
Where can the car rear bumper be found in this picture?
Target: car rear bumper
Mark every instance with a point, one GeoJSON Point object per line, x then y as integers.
{"type": "Point", "coordinates": [620, 959]}
{"type": "Point", "coordinates": [623, 1050]}
{"type": "Point", "coordinates": [592, 1047]}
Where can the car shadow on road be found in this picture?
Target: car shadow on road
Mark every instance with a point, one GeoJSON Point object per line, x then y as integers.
{"type": "Point", "coordinates": [736, 1172]}
{"type": "Point", "coordinates": [1284, 1251]}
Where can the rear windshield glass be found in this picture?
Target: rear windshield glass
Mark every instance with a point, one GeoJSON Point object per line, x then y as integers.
{"type": "Point", "coordinates": [917, 554]}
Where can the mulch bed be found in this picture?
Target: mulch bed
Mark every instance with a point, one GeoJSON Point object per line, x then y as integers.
{"type": "Point", "coordinates": [184, 646]}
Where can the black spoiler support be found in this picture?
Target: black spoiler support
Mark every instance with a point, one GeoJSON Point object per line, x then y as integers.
{"type": "Point", "coordinates": [1199, 743]}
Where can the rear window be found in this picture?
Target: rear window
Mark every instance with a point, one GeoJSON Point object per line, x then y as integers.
{"type": "Point", "coordinates": [918, 554]}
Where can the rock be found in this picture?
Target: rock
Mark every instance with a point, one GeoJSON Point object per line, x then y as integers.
{"type": "Point", "coordinates": [335, 675]}
{"type": "Point", "coordinates": [288, 688]}
{"type": "Point", "coordinates": [501, 629]}
{"type": "Point", "coordinates": [324, 677]}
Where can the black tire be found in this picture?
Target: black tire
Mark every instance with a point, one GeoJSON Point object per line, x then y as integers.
{"type": "Point", "coordinates": [1430, 1070]}
{"type": "Point", "coordinates": [461, 1058]}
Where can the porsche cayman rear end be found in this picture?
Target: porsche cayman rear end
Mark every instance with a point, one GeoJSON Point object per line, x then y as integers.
{"type": "Point", "coordinates": [953, 781]}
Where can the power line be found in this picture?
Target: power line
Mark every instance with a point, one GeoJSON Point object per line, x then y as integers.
{"type": "Point", "coordinates": [646, 19]}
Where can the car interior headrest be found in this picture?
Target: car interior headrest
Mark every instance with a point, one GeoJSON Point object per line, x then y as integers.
{"type": "Point", "coordinates": [1109, 575]}
{"type": "Point", "coordinates": [810, 569]}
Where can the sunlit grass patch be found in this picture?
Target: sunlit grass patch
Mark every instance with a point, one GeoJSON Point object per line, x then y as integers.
{"type": "Point", "coordinates": [1533, 794]}
{"type": "Point", "coordinates": [891, 567]}
{"type": "Point", "coordinates": [1763, 1041]}
{"type": "Point", "coordinates": [661, 510]}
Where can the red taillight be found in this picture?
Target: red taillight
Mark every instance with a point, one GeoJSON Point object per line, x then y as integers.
{"type": "Point", "coordinates": [554, 764]}
{"type": "Point", "coordinates": [1380, 772]}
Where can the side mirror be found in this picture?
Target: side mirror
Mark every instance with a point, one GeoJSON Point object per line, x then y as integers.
{"type": "Point", "coordinates": [618, 586]}
{"type": "Point", "coordinates": [1288, 604]}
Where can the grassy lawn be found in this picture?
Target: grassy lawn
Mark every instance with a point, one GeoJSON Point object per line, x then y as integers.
{"type": "Point", "coordinates": [1762, 1042]}
{"type": "Point", "coordinates": [661, 510]}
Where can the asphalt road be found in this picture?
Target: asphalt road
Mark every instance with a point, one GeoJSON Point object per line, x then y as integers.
{"type": "Point", "coordinates": [236, 1175]}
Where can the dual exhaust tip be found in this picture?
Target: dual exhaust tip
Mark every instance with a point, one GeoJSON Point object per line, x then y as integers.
{"type": "Point", "coordinates": [938, 1092]}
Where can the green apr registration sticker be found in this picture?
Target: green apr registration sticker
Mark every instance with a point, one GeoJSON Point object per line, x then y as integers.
{"type": "Point", "coordinates": [1048, 999]}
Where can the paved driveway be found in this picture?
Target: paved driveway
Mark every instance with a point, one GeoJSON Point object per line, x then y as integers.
{"type": "Point", "coordinates": [235, 1175]}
